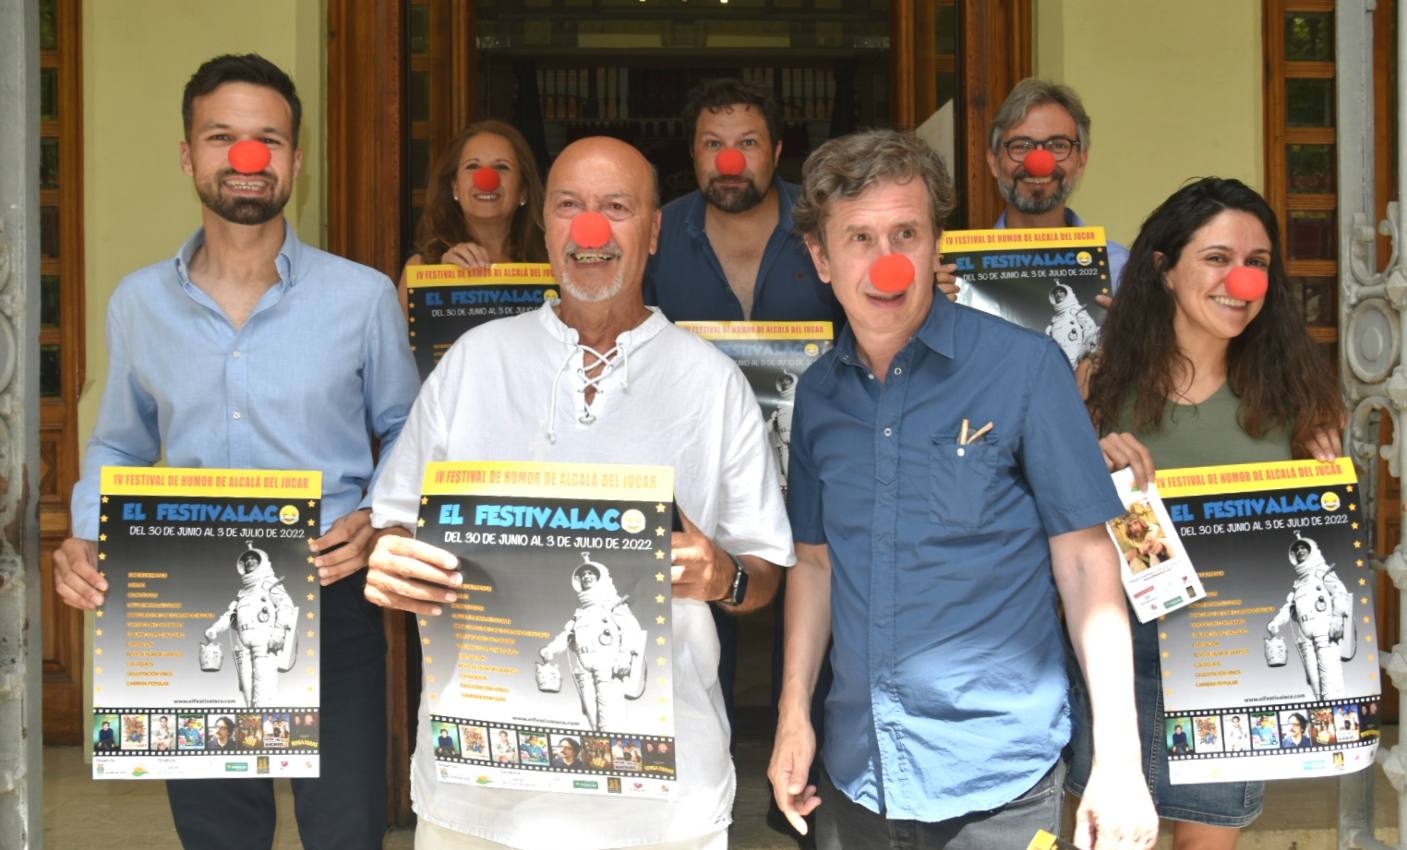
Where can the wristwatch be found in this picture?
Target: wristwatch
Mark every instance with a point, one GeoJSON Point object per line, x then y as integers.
{"type": "Point", "coordinates": [739, 592]}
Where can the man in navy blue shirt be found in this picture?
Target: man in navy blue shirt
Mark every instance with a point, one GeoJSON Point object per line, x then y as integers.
{"type": "Point", "coordinates": [727, 252]}
{"type": "Point", "coordinates": [947, 496]}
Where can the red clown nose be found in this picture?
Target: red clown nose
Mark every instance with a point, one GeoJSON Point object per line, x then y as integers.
{"type": "Point", "coordinates": [1247, 284]}
{"type": "Point", "coordinates": [249, 156]}
{"type": "Point", "coordinates": [1040, 163]}
{"type": "Point", "coordinates": [892, 273]}
{"type": "Point", "coordinates": [486, 179]}
{"type": "Point", "coordinates": [730, 162]}
{"type": "Point", "coordinates": [591, 230]}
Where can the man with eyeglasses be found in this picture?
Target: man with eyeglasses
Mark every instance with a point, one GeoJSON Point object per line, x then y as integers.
{"type": "Point", "coordinates": [1049, 116]}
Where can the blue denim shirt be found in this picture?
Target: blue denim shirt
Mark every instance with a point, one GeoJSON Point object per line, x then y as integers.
{"type": "Point", "coordinates": [950, 691]}
{"type": "Point", "coordinates": [322, 365]}
{"type": "Point", "coordinates": [686, 281]}
{"type": "Point", "coordinates": [1118, 254]}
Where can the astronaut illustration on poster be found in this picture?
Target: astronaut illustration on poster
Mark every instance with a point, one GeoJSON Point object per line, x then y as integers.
{"type": "Point", "coordinates": [1071, 326]}
{"type": "Point", "coordinates": [261, 621]}
{"type": "Point", "coordinates": [1319, 610]}
{"type": "Point", "coordinates": [606, 646]}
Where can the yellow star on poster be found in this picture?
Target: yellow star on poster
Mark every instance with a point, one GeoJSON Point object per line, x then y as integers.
{"type": "Point", "coordinates": [1167, 674]}
{"type": "Point", "coordinates": [430, 679]}
{"type": "Point", "coordinates": [1362, 581]}
{"type": "Point", "coordinates": [424, 500]}
{"type": "Point", "coordinates": [420, 523]}
{"type": "Point", "coordinates": [659, 554]}
{"type": "Point", "coordinates": [659, 509]}
{"type": "Point", "coordinates": [310, 597]}
{"type": "Point", "coordinates": [102, 556]}
{"type": "Point", "coordinates": [310, 559]}
{"type": "Point", "coordinates": [310, 653]}
{"type": "Point", "coordinates": [1358, 544]}
{"type": "Point", "coordinates": [429, 660]}
{"type": "Point", "coordinates": [1352, 507]}
{"type": "Point", "coordinates": [660, 661]}
{"type": "Point", "coordinates": [1364, 600]}
{"type": "Point", "coordinates": [310, 522]}
{"type": "Point", "coordinates": [97, 687]}
{"type": "Point", "coordinates": [98, 632]}
{"type": "Point", "coordinates": [1348, 489]}
{"type": "Point", "coordinates": [98, 651]}
{"type": "Point", "coordinates": [310, 578]}
{"type": "Point", "coordinates": [102, 538]}
{"type": "Point", "coordinates": [1367, 638]}
{"type": "Point", "coordinates": [1165, 655]}
{"type": "Point", "coordinates": [1354, 526]}
{"type": "Point", "coordinates": [659, 576]}
{"type": "Point", "coordinates": [310, 615]}
{"type": "Point", "coordinates": [105, 500]}
{"type": "Point", "coordinates": [659, 620]}
{"type": "Point", "coordinates": [99, 612]}
{"type": "Point", "coordinates": [663, 681]}
{"type": "Point", "coordinates": [425, 641]}
{"type": "Point", "coordinates": [103, 518]}
{"type": "Point", "coordinates": [424, 622]}
{"type": "Point", "coordinates": [310, 689]}
{"type": "Point", "coordinates": [1370, 659]}
{"type": "Point", "coordinates": [312, 503]}
{"type": "Point", "coordinates": [310, 632]}
{"type": "Point", "coordinates": [659, 531]}
{"type": "Point", "coordinates": [1367, 620]}
{"type": "Point", "coordinates": [412, 333]}
{"type": "Point", "coordinates": [664, 718]}
{"type": "Point", "coordinates": [97, 670]}
{"type": "Point", "coordinates": [664, 700]}
{"type": "Point", "coordinates": [660, 640]}
{"type": "Point", "coordinates": [660, 599]}
{"type": "Point", "coordinates": [1359, 562]}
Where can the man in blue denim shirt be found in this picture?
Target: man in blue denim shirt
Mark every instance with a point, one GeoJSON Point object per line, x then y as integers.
{"type": "Point", "coordinates": [251, 349]}
{"type": "Point", "coordinates": [947, 494]}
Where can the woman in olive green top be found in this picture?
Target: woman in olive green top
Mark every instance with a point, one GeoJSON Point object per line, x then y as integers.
{"type": "Point", "coordinates": [1188, 375]}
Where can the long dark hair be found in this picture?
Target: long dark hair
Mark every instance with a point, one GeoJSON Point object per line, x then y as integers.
{"type": "Point", "coordinates": [1272, 367]}
{"type": "Point", "coordinates": [442, 224]}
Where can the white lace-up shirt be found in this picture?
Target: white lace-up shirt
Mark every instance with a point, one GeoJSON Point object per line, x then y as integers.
{"type": "Point", "coordinates": [514, 390]}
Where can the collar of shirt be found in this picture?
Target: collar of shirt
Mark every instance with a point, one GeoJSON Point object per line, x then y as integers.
{"type": "Point", "coordinates": [937, 333]}
{"type": "Point", "coordinates": [696, 218]}
{"type": "Point", "coordinates": [1072, 219]}
{"type": "Point", "coordinates": [288, 261]}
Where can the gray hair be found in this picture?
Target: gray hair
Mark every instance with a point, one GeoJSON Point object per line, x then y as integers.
{"type": "Point", "coordinates": [1027, 95]}
{"type": "Point", "coordinates": [846, 167]}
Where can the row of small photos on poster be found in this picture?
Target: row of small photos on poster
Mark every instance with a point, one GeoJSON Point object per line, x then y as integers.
{"type": "Point", "coordinates": [142, 731]}
{"type": "Point", "coordinates": [532, 748]}
{"type": "Point", "coordinates": [1278, 728]}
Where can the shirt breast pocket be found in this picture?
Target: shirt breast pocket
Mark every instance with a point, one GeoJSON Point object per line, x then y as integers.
{"type": "Point", "coordinates": [960, 482]}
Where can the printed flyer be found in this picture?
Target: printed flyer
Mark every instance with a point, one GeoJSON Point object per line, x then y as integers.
{"type": "Point", "coordinates": [206, 649]}
{"type": "Point", "coordinates": [1043, 279]}
{"type": "Point", "coordinates": [1274, 675]}
{"type": "Point", "coordinates": [772, 355]}
{"type": "Point", "coordinates": [446, 300]}
{"type": "Point", "coordinates": [554, 669]}
{"type": "Point", "coordinates": [1158, 576]}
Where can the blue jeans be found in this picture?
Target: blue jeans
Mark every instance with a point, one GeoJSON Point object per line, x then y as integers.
{"type": "Point", "coordinates": [1231, 804]}
{"type": "Point", "coordinates": [842, 824]}
{"type": "Point", "coordinates": [345, 809]}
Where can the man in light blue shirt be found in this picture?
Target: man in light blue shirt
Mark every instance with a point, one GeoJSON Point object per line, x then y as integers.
{"type": "Point", "coordinates": [250, 349]}
{"type": "Point", "coordinates": [947, 495]}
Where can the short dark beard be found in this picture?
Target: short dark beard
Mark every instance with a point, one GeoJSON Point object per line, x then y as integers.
{"type": "Point", "coordinates": [248, 211]}
{"type": "Point", "coordinates": [734, 200]}
{"type": "Point", "coordinates": [1037, 206]}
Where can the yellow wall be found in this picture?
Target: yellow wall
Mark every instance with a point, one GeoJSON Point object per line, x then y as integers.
{"type": "Point", "coordinates": [138, 206]}
{"type": "Point", "coordinates": [1173, 90]}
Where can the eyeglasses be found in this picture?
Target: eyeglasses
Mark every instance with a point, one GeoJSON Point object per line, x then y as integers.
{"type": "Point", "coordinates": [1060, 147]}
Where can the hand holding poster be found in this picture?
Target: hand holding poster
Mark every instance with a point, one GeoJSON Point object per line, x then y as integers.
{"type": "Point", "coordinates": [772, 355]}
{"type": "Point", "coordinates": [1275, 674]}
{"type": "Point", "coordinates": [447, 300]}
{"type": "Point", "coordinates": [1043, 279]}
{"type": "Point", "coordinates": [554, 669]}
{"type": "Point", "coordinates": [205, 651]}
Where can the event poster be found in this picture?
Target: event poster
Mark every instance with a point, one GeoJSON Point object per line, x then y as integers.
{"type": "Point", "coordinates": [1274, 674]}
{"type": "Point", "coordinates": [447, 300]}
{"type": "Point", "coordinates": [772, 356]}
{"type": "Point", "coordinates": [1044, 279]}
{"type": "Point", "coordinates": [554, 669]}
{"type": "Point", "coordinates": [206, 649]}
{"type": "Point", "coordinates": [1158, 576]}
